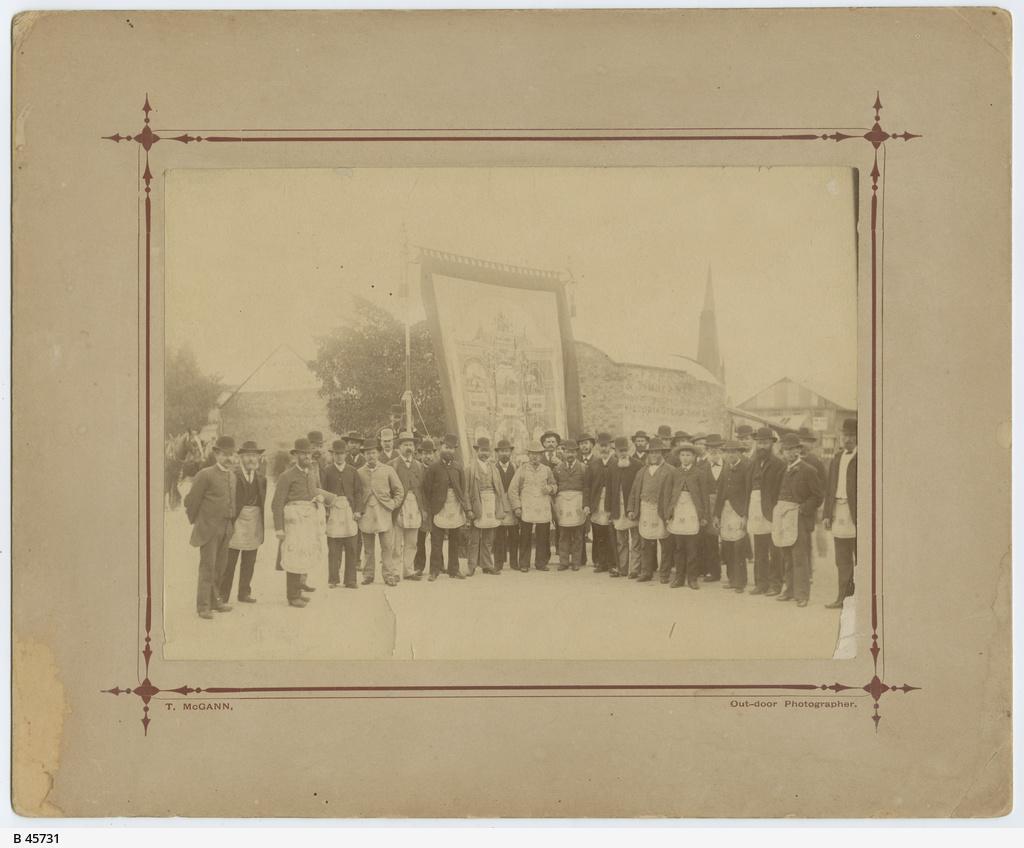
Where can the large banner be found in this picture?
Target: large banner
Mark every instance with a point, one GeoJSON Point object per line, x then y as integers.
{"type": "Point", "coordinates": [504, 344]}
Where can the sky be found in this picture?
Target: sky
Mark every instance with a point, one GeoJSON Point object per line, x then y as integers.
{"type": "Point", "coordinates": [260, 257]}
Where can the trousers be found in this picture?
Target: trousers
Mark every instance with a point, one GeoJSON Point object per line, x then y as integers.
{"type": "Point", "coordinates": [293, 586]}
{"type": "Point", "coordinates": [437, 549]}
{"type": "Point", "coordinates": [347, 549]}
{"type": "Point", "coordinates": [686, 551]}
{"type": "Point", "coordinates": [403, 550]}
{"type": "Point", "coordinates": [767, 563]}
{"type": "Point", "coordinates": [542, 554]}
{"type": "Point", "coordinates": [213, 559]}
{"type": "Point", "coordinates": [846, 559]}
{"type": "Point", "coordinates": [506, 546]}
{"type": "Point", "coordinates": [712, 555]}
{"type": "Point", "coordinates": [570, 546]}
{"type": "Point", "coordinates": [735, 563]}
{"type": "Point", "coordinates": [796, 563]}
{"type": "Point", "coordinates": [370, 555]}
{"type": "Point", "coordinates": [244, 573]}
{"type": "Point", "coordinates": [627, 550]}
{"type": "Point", "coordinates": [480, 549]}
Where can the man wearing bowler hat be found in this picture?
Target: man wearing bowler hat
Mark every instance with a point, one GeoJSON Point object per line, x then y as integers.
{"type": "Point", "coordinates": [297, 523]}
{"type": "Point", "coordinates": [530, 493]}
{"type": "Point", "coordinates": [426, 453]}
{"type": "Point", "coordinates": [763, 478]}
{"type": "Point", "coordinates": [572, 495]}
{"type": "Point", "coordinates": [342, 481]}
{"type": "Point", "coordinates": [210, 507]}
{"type": "Point", "coordinates": [247, 536]}
{"type": "Point", "coordinates": [621, 477]}
{"type": "Point", "coordinates": [800, 495]}
{"type": "Point", "coordinates": [444, 489]}
{"type": "Point", "coordinates": [689, 517]}
{"type": "Point", "coordinates": [730, 518]}
{"type": "Point", "coordinates": [598, 473]}
{"type": "Point", "coordinates": [488, 503]}
{"type": "Point", "coordinates": [585, 442]}
{"type": "Point", "coordinates": [711, 469]}
{"type": "Point", "coordinates": [506, 537]}
{"type": "Point", "coordinates": [388, 452]}
{"type": "Point", "coordinates": [640, 443]}
{"type": "Point", "coordinates": [381, 494]}
{"type": "Point", "coordinates": [410, 515]}
{"type": "Point", "coordinates": [650, 503]}
{"type": "Point", "coordinates": [841, 510]}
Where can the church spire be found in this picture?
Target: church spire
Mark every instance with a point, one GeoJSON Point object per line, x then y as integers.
{"type": "Point", "coordinates": [708, 353]}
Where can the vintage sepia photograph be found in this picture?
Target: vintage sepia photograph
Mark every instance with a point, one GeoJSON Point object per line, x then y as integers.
{"type": "Point", "coordinates": [510, 413]}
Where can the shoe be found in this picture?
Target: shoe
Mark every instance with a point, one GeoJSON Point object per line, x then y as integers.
{"type": "Point", "coordinates": [489, 571]}
{"type": "Point", "coordinates": [613, 573]}
{"type": "Point", "coordinates": [222, 608]}
{"type": "Point", "coordinates": [664, 578]}
{"type": "Point", "coordinates": [457, 575]}
{"type": "Point", "coordinates": [693, 584]}
{"type": "Point", "coordinates": [801, 603]}
{"type": "Point", "coordinates": [771, 592]}
{"type": "Point", "coordinates": [206, 614]}
{"type": "Point", "coordinates": [432, 578]}
{"type": "Point", "coordinates": [332, 585]}
{"type": "Point", "coordinates": [367, 581]}
{"type": "Point", "coordinates": [677, 584]}
{"type": "Point", "coordinates": [297, 602]}
{"type": "Point", "coordinates": [575, 568]}
{"type": "Point", "coordinates": [728, 586]}
{"type": "Point", "coordinates": [757, 590]}
{"type": "Point", "coordinates": [644, 578]}
{"type": "Point", "coordinates": [351, 585]}
{"type": "Point", "coordinates": [707, 578]}
{"type": "Point", "coordinates": [785, 597]}
{"type": "Point", "coordinates": [416, 575]}
{"type": "Point", "coordinates": [246, 599]}
{"type": "Point", "coordinates": [834, 605]}
{"type": "Point", "coordinates": [739, 590]}
{"type": "Point", "coordinates": [540, 568]}
{"type": "Point", "coordinates": [563, 568]}
{"type": "Point", "coordinates": [306, 588]}
{"type": "Point", "coordinates": [390, 581]}
{"type": "Point", "coordinates": [633, 576]}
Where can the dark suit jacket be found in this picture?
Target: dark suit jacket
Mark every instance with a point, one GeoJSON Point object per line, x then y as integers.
{"type": "Point", "coordinates": [732, 487]}
{"type": "Point", "coordinates": [851, 487]}
{"type": "Point", "coordinates": [261, 489]}
{"type": "Point", "coordinates": [815, 462]}
{"type": "Point", "coordinates": [345, 482]}
{"type": "Point", "coordinates": [656, 488]}
{"type": "Point", "coordinates": [770, 479]}
{"type": "Point", "coordinates": [620, 483]}
{"type": "Point", "coordinates": [506, 475]}
{"type": "Point", "coordinates": [436, 481]}
{"type": "Point", "coordinates": [411, 479]}
{"type": "Point", "coordinates": [806, 488]}
{"type": "Point", "coordinates": [694, 480]}
{"type": "Point", "coordinates": [598, 478]}
{"type": "Point", "coordinates": [210, 503]}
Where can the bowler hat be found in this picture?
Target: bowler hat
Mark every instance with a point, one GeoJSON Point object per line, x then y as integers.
{"type": "Point", "coordinates": [427, 445]}
{"type": "Point", "coordinates": [664, 432]}
{"type": "Point", "coordinates": [656, 445]}
{"type": "Point", "coordinates": [315, 437]}
{"type": "Point", "coordinates": [482, 443]}
{"type": "Point", "coordinates": [451, 440]}
{"type": "Point", "coordinates": [353, 436]}
{"type": "Point", "coordinates": [250, 447]}
{"type": "Point", "coordinates": [535, 447]}
{"type": "Point", "coordinates": [604, 438]}
{"type": "Point", "coordinates": [387, 434]}
{"type": "Point", "coordinates": [680, 436]}
{"type": "Point", "coordinates": [585, 437]}
{"type": "Point", "coordinates": [570, 445]}
{"type": "Point", "coordinates": [621, 443]}
{"type": "Point", "coordinates": [713, 440]}
{"type": "Point", "coordinates": [544, 435]}
{"type": "Point", "coordinates": [338, 446]}
{"type": "Point", "coordinates": [791, 440]}
{"type": "Point", "coordinates": [302, 446]}
{"type": "Point", "coordinates": [639, 434]}
{"type": "Point", "coordinates": [744, 430]}
{"type": "Point", "coordinates": [806, 435]}
{"type": "Point", "coordinates": [731, 446]}
{"type": "Point", "coordinates": [225, 443]}
{"type": "Point", "coordinates": [503, 444]}
{"type": "Point", "coordinates": [687, 446]}
{"type": "Point", "coordinates": [406, 437]}
{"type": "Point", "coordinates": [850, 427]}
{"type": "Point", "coordinates": [764, 434]}
{"type": "Point", "coordinates": [700, 437]}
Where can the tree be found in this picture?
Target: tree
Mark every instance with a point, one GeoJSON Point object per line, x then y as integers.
{"type": "Point", "coordinates": [361, 368]}
{"type": "Point", "coordinates": [189, 394]}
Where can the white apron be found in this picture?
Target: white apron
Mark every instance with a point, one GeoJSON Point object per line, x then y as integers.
{"type": "Point", "coordinates": [248, 533]}
{"type": "Point", "coordinates": [341, 522]}
{"type": "Point", "coordinates": [451, 515]}
{"type": "Point", "coordinates": [569, 508]}
{"type": "Point", "coordinates": [409, 516]}
{"type": "Point", "coordinates": [685, 521]}
{"type": "Point", "coordinates": [487, 518]}
{"type": "Point", "coordinates": [756, 522]}
{"type": "Point", "coordinates": [623, 522]}
{"type": "Point", "coordinates": [536, 508]}
{"type": "Point", "coordinates": [785, 524]}
{"type": "Point", "coordinates": [302, 550]}
{"type": "Point", "coordinates": [651, 524]}
{"type": "Point", "coordinates": [842, 522]}
{"type": "Point", "coordinates": [600, 516]}
{"type": "Point", "coordinates": [732, 524]}
{"type": "Point", "coordinates": [376, 519]}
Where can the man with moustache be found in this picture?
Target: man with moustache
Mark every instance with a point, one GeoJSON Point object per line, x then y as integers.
{"type": "Point", "coordinates": [650, 503]}
{"type": "Point", "coordinates": [354, 446]}
{"type": "Point", "coordinates": [530, 494]}
{"type": "Point", "coordinates": [745, 436]}
{"type": "Point", "coordinates": [640, 443]}
{"type": "Point", "coordinates": [388, 452]}
{"type": "Point", "coordinates": [319, 455]}
{"type": "Point", "coordinates": [250, 503]}
{"type": "Point", "coordinates": [210, 507]}
{"type": "Point", "coordinates": [572, 506]}
{"type": "Point", "coordinates": [410, 514]}
{"type": "Point", "coordinates": [342, 481]}
{"type": "Point", "coordinates": [621, 477]}
{"type": "Point", "coordinates": [841, 511]}
{"type": "Point", "coordinates": [711, 469]}
{"type": "Point", "coordinates": [506, 536]}
{"type": "Point", "coordinates": [763, 478]}
{"type": "Point", "coordinates": [488, 502]}
{"type": "Point", "coordinates": [552, 443]}
{"type": "Point", "coordinates": [731, 515]}
{"type": "Point", "coordinates": [444, 490]}
{"type": "Point", "coordinates": [800, 495]}
{"type": "Point", "coordinates": [689, 517]}
{"type": "Point", "coordinates": [596, 481]}
{"type": "Point", "coordinates": [382, 492]}
{"type": "Point", "coordinates": [426, 454]}
{"type": "Point", "coordinates": [296, 523]}
{"type": "Point", "coordinates": [586, 443]}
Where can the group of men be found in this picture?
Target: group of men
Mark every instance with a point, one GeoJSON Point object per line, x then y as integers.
{"type": "Point", "coordinates": [671, 506]}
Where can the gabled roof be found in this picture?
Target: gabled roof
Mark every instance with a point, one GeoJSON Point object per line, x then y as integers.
{"type": "Point", "coordinates": [660, 359]}
{"type": "Point", "coordinates": [282, 371]}
{"type": "Point", "coordinates": [840, 405]}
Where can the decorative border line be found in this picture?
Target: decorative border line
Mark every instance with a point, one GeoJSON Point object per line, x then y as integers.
{"type": "Point", "coordinates": [147, 138]}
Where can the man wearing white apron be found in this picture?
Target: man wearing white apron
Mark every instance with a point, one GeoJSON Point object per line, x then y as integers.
{"type": "Point", "coordinates": [841, 510]}
{"type": "Point", "coordinates": [650, 503]}
{"type": "Point", "coordinates": [763, 478]}
{"type": "Point", "coordinates": [689, 517]}
{"type": "Point", "coordinates": [488, 502]}
{"type": "Point", "coordinates": [602, 532]}
{"type": "Point", "coordinates": [444, 489]}
{"type": "Point", "coordinates": [342, 481]}
{"type": "Point", "coordinates": [530, 493]}
{"type": "Point", "coordinates": [426, 455]}
{"type": "Point", "coordinates": [627, 537]}
{"type": "Point", "coordinates": [410, 516]}
{"type": "Point", "coordinates": [731, 515]}
{"type": "Point", "coordinates": [572, 506]}
{"type": "Point", "coordinates": [711, 468]}
{"type": "Point", "coordinates": [381, 495]}
{"type": "Point", "coordinates": [800, 495]}
{"type": "Point", "coordinates": [250, 501]}
{"type": "Point", "coordinates": [297, 522]}
{"type": "Point", "coordinates": [506, 537]}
